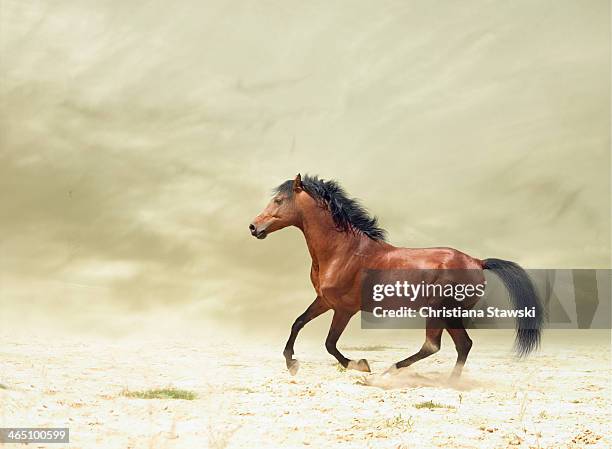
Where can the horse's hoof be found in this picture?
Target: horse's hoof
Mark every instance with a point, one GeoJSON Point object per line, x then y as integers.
{"type": "Point", "coordinates": [293, 366]}
{"type": "Point", "coordinates": [453, 381]}
{"type": "Point", "coordinates": [391, 370]}
{"type": "Point", "coordinates": [455, 377]}
{"type": "Point", "coordinates": [360, 365]}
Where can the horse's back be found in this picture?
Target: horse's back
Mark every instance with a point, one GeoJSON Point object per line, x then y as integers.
{"type": "Point", "coordinates": [427, 259]}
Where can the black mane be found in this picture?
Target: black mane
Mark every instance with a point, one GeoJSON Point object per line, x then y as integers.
{"type": "Point", "coordinates": [347, 213]}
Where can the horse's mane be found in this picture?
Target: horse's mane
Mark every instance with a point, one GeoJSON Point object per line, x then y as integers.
{"type": "Point", "coordinates": [347, 213]}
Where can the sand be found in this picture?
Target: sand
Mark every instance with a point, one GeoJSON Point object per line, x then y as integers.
{"type": "Point", "coordinates": [558, 398]}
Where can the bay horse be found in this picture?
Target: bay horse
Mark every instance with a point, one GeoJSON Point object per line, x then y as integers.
{"type": "Point", "coordinates": [344, 240]}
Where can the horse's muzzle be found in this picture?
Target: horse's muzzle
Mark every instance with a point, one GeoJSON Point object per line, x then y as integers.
{"type": "Point", "coordinates": [262, 234]}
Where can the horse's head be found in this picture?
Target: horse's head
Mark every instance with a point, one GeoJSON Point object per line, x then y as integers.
{"type": "Point", "coordinates": [279, 213]}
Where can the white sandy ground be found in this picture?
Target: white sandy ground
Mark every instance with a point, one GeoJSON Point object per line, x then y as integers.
{"type": "Point", "coordinates": [558, 398]}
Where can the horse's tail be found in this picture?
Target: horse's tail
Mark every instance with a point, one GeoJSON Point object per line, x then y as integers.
{"type": "Point", "coordinates": [523, 296]}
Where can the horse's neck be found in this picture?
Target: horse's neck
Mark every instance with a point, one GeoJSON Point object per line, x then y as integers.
{"type": "Point", "coordinates": [323, 239]}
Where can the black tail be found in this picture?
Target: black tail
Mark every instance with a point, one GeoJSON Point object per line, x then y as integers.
{"type": "Point", "coordinates": [522, 294]}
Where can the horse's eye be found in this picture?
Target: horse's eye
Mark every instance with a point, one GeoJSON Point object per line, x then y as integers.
{"type": "Point", "coordinates": [278, 200]}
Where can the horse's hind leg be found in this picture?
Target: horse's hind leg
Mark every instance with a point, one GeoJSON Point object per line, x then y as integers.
{"type": "Point", "coordinates": [463, 344]}
{"type": "Point", "coordinates": [314, 310]}
{"type": "Point", "coordinates": [433, 336]}
{"type": "Point", "coordinates": [339, 322]}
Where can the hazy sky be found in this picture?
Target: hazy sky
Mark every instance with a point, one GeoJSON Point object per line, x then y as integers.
{"type": "Point", "coordinates": [139, 138]}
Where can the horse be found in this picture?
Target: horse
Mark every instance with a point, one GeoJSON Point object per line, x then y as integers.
{"type": "Point", "coordinates": [344, 241]}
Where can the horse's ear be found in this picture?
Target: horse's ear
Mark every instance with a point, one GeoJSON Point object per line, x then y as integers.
{"type": "Point", "coordinates": [297, 183]}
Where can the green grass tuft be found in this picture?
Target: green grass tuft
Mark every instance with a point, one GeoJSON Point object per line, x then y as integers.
{"type": "Point", "coordinates": [162, 393]}
{"type": "Point", "coordinates": [431, 405]}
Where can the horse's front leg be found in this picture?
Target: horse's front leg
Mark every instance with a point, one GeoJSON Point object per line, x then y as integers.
{"type": "Point", "coordinates": [339, 322]}
{"type": "Point", "coordinates": [314, 310]}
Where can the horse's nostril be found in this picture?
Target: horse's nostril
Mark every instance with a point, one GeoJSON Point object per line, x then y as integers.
{"type": "Point", "coordinates": [252, 227]}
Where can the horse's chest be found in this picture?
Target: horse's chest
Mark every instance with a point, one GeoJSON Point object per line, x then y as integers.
{"type": "Point", "coordinates": [331, 284]}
